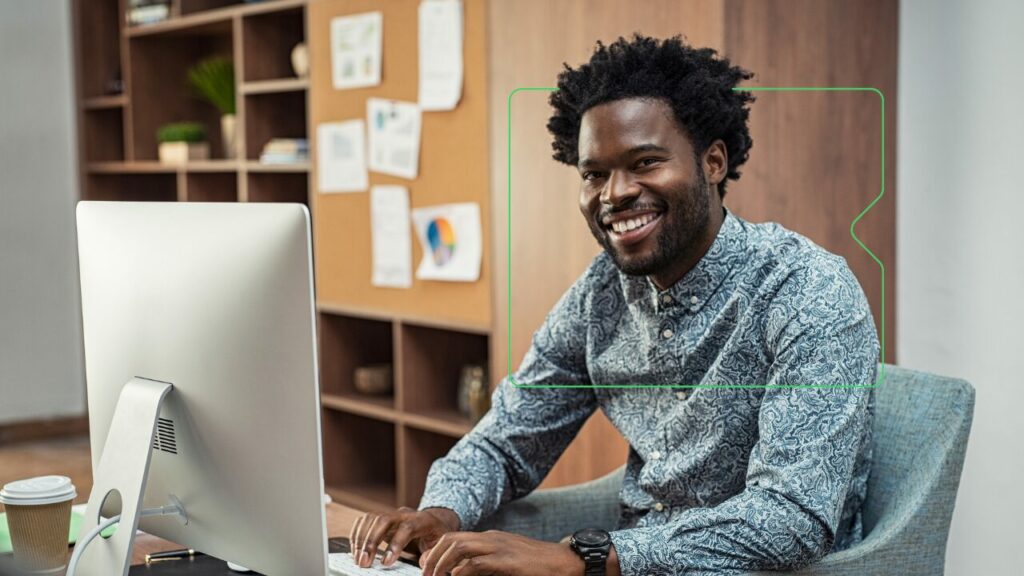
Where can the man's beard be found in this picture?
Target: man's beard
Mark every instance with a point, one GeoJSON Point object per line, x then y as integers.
{"type": "Point", "coordinates": [683, 224]}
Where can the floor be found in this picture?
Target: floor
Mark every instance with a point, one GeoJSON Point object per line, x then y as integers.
{"type": "Point", "coordinates": [66, 457]}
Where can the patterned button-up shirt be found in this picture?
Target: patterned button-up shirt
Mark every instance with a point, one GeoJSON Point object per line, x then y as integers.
{"type": "Point", "coordinates": [752, 453]}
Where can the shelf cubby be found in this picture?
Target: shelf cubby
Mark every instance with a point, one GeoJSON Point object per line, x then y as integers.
{"type": "Point", "coordinates": [211, 187]}
{"type": "Point", "coordinates": [187, 7]}
{"type": "Point", "coordinates": [418, 451]}
{"type": "Point", "coordinates": [431, 366]}
{"type": "Point", "coordinates": [103, 134]}
{"type": "Point", "coordinates": [98, 37]}
{"type": "Point", "coordinates": [268, 39]}
{"type": "Point", "coordinates": [347, 342]}
{"type": "Point", "coordinates": [137, 187]}
{"type": "Point", "coordinates": [159, 77]}
{"type": "Point", "coordinates": [278, 187]}
{"type": "Point", "coordinates": [359, 460]}
{"type": "Point", "coordinates": [273, 115]}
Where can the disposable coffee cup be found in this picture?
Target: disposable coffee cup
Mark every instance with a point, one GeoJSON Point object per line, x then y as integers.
{"type": "Point", "coordinates": [38, 519]}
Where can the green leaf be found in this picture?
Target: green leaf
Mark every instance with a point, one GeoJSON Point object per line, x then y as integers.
{"type": "Point", "coordinates": [214, 79]}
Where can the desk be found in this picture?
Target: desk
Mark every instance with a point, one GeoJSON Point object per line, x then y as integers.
{"type": "Point", "coordinates": [339, 522]}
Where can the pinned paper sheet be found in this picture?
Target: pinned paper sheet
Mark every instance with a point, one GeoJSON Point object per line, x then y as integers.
{"type": "Point", "coordinates": [394, 137]}
{"type": "Point", "coordinates": [341, 157]}
{"type": "Point", "coordinates": [392, 240]}
{"type": "Point", "coordinates": [451, 240]}
{"type": "Point", "coordinates": [440, 38]}
{"type": "Point", "coordinates": [356, 48]}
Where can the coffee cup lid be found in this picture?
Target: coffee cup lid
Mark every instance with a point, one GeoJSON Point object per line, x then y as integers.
{"type": "Point", "coordinates": [38, 491]}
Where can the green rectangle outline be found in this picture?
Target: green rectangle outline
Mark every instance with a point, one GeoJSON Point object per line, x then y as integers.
{"type": "Point", "coordinates": [881, 375]}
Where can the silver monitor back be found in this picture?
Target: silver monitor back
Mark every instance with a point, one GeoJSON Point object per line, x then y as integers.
{"type": "Point", "coordinates": [216, 299]}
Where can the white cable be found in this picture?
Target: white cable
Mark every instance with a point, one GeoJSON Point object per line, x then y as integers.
{"type": "Point", "coordinates": [83, 543]}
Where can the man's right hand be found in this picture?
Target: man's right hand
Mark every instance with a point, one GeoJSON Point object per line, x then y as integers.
{"type": "Point", "coordinates": [398, 529]}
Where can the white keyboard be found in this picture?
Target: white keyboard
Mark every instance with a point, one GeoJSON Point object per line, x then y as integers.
{"type": "Point", "coordinates": [342, 563]}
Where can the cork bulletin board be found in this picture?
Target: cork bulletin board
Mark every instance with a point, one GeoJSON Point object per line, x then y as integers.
{"type": "Point", "coordinates": [453, 167]}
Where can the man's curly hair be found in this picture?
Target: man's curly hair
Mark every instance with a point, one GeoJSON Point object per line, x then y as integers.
{"type": "Point", "coordinates": [693, 81]}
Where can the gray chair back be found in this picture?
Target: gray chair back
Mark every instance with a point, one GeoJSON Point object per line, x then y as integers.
{"type": "Point", "coordinates": [921, 426]}
{"type": "Point", "coordinates": [920, 432]}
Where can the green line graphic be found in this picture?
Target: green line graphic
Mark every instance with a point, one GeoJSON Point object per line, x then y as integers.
{"type": "Point", "coordinates": [881, 372]}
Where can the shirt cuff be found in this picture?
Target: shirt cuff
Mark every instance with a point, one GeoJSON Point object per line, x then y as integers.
{"type": "Point", "coordinates": [446, 498]}
{"type": "Point", "coordinates": [641, 552]}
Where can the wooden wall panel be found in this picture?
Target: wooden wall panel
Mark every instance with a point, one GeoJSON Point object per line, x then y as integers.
{"type": "Point", "coordinates": [814, 161]}
{"type": "Point", "coordinates": [453, 166]}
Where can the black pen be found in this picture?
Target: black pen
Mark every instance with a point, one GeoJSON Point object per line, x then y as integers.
{"type": "Point", "coordinates": [171, 555]}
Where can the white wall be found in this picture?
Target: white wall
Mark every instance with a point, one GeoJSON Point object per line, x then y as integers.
{"type": "Point", "coordinates": [41, 369]}
{"type": "Point", "coordinates": [960, 248]}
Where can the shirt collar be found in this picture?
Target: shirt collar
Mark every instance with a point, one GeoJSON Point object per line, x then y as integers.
{"type": "Point", "coordinates": [694, 289]}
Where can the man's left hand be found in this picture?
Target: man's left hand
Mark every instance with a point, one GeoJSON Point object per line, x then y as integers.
{"type": "Point", "coordinates": [495, 553]}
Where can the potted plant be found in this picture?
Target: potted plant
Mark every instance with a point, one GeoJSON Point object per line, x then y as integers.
{"type": "Point", "coordinates": [214, 79]}
{"type": "Point", "coordinates": [181, 142]}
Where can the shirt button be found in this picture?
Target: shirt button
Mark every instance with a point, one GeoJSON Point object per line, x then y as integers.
{"type": "Point", "coordinates": [655, 455]}
{"type": "Point", "coordinates": [693, 300]}
{"type": "Point", "coordinates": [681, 395]}
{"type": "Point", "coordinates": [666, 334]}
{"type": "Point", "coordinates": [659, 506]}
{"type": "Point", "coordinates": [666, 299]}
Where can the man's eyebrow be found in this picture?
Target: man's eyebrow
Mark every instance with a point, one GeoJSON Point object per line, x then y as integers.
{"type": "Point", "coordinates": [638, 149]}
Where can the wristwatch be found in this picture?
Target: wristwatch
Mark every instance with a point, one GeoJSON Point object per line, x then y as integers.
{"type": "Point", "coordinates": [593, 546]}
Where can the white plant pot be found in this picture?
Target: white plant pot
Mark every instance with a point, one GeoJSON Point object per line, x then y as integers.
{"type": "Point", "coordinates": [229, 134]}
{"type": "Point", "coordinates": [183, 152]}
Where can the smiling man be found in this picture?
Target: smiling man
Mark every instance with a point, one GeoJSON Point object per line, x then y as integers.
{"type": "Point", "coordinates": [763, 465]}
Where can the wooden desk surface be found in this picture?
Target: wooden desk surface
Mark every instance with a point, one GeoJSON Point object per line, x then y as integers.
{"type": "Point", "coordinates": [339, 522]}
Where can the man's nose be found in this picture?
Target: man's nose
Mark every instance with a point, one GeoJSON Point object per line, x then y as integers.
{"type": "Point", "coordinates": [620, 189]}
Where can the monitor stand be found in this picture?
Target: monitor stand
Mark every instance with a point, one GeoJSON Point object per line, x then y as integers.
{"type": "Point", "coordinates": [124, 467]}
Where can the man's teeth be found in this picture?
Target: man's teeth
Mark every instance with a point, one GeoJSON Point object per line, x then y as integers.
{"type": "Point", "coordinates": [623, 226]}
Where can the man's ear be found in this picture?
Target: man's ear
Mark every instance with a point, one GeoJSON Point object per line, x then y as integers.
{"type": "Point", "coordinates": [715, 163]}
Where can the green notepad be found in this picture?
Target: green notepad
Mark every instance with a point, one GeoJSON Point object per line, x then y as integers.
{"type": "Point", "coordinates": [76, 521]}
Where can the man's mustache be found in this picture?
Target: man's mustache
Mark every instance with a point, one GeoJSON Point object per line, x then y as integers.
{"type": "Point", "coordinates": [635, 207]}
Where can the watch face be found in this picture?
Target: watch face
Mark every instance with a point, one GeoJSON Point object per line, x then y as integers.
{"type": "Point", "coordinates": [591, 537]}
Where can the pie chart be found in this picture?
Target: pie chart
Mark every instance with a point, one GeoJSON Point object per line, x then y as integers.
{"type": "Point", "coordinates": [441, 237]}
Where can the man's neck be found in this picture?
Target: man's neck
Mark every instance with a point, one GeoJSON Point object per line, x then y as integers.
{"type": "Point", "coordinates": [682, 267]}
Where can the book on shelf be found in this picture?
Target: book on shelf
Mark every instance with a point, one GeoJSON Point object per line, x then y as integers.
{"type": "Point", "coordinates": [148, 11]}
{"type": "Point", "coordinates": [285, 151]}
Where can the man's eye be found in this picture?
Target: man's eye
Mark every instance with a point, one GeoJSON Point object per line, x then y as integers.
{"type": "Point", "coordinates": [647, 162]}
{"type": "Point", "coordinates": [590, 176]}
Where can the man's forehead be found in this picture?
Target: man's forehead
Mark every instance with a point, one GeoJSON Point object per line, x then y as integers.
{"type": "Point", "coordinates": [628, 125]}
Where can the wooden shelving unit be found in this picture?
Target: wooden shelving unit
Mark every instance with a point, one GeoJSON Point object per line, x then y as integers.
{"type": "Point", "coordinates": [377, 449]}
{"type": "Point", "coordinates": [415, 421]}
{"type": "Point", "coordinates": [148, 64]}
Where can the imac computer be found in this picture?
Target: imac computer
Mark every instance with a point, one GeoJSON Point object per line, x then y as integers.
{"type": "Point", "coordinates": [201, 369]}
